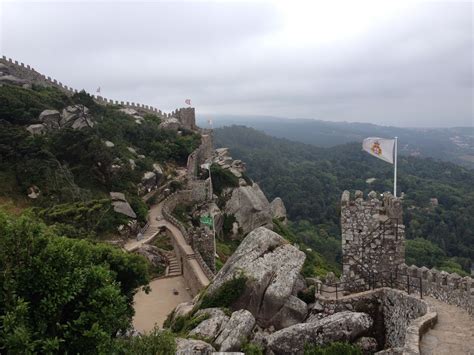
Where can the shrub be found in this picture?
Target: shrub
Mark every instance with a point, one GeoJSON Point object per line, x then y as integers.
{"type": "Point", "coordinates": [335, 348]}
{"type": "Point", "coordinates": [227, 294]}
{"type": "Point", "coordinates": [307, 295]}
{"type": "Point", "coordinates": [222, 178]}
{"type": "Point", "coordinates": [156, 342]}
{"type": "Point", "coordinates": [252, 349]}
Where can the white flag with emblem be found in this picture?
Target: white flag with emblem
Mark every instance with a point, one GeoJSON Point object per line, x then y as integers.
{"type": "Point", "coordinates": [381, 148]}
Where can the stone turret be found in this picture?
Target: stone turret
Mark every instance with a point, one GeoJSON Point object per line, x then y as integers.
{"type": "Point", "coordinates": [373, 236]}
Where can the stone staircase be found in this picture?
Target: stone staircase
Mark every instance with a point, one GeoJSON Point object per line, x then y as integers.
{"type": "Point", "coordinates": [174, 268]}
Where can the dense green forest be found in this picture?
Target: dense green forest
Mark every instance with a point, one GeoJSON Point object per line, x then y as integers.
{"type": "Point", "coordinates": [310, 181]}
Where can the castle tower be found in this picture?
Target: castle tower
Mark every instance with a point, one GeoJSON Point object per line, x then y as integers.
{"type": "Point", "coordinates": [373, 237]}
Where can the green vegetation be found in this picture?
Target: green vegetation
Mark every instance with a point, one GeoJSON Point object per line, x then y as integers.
{"type": "Point", "coordinates": [310, 180]}
{"type": "Point", "coordinates": [315, 264]}
{"type": "Point", "coordinates": [222, 178]}
{"type": "Point", "coordinates": [162, 241]}
{"type": "Point", "coordinates": [74, 168]}
{"type": "Point", "coordinates": [252, 349]}
{"type": "Point", "coordinates": [227, 294]}
{"type": "Point", "coordinates": [308, 295]}
{"type": "Point", "coordinates": [183, 324]}
{"type": "Point", "coordinates": [156, 342]}
{"type": "Point", "coordinates": [61, 295]}
{"type": "Point", "coordinates": [335, 348]}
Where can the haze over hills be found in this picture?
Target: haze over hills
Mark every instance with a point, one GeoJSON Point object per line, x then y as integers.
{"type": "Point", "coordinates": [448, 144]}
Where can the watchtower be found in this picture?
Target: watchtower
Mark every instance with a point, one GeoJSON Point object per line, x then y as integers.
{"type": "Point", "coordinates": [373, 237]}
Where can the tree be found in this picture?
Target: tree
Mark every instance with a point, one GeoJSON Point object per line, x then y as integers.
{"type": "Point", "coordinates": [62, 295]}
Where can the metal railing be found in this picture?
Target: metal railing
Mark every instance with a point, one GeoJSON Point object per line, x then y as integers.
{"type": "Point", "coordinates": [391, 279]}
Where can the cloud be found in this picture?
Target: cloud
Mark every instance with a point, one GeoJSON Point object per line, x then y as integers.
{"type": "Point", "coordinates": [354, 61]}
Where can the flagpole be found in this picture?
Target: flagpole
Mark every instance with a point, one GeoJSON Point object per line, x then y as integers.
{"type": "Point", "coordinates": [395, 169]}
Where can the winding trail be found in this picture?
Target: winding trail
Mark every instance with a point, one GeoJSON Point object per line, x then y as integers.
{"type": "Point", "coordinates": [153, 308]}
{"type": "Point", "coordinates": [453, 334]}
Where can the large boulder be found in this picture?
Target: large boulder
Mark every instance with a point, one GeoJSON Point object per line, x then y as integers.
{"type": "Point", "coordinates": [236, 331]}
{"type": "Point", "coordinates": [271, 266]}
{"type": "Point", "coordinates": [211, 327]}
{"type": "Point", "coordinates": [172, 124]}
{"type": "Point", "coordinates": [278, 210]}
{"type": "Point", "coordinates": [36, 129]}
{"type": "Point", "coordinates": [293, 311]}
{"type": "Point", "coordinates": [50, 118]}
{"type": "Point", "coordinates": [152, 254]}
{"type": "Point", "coordinates": [193, 347]}
{"type": "Point", "coordinates": [250, 207]}
{"type": "Point", "coordinates": [121, 205]}
{"type": "Point", "coordinates": [76, 117]}
{"type": "Point", "coordinates": [343, 326]}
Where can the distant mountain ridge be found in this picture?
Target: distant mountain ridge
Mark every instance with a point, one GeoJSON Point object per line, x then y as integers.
{"type": "Point", "coordinates": [448, 144]}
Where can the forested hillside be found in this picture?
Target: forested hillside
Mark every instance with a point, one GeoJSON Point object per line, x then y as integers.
{"type": "Point", "coordinates": [61, 289]}
{"type": "Point", "coordinates": [75, 169]}
{"type": "Point", "coordinates": [310, 181]}
{"type": "Point", "coordinates": [448, 144]}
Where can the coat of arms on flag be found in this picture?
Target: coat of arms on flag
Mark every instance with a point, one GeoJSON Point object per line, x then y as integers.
{"type": "Point", "coordinates": [376, 148]}
{"type": "Point", "coordinates": [187, 101]}
{"type": "Point", "coordinates": [381, 148]}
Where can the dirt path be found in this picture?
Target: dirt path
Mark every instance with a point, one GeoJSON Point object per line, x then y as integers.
{"type": "Point", "coordinates": [453, 334]}
{"type": "Point", "coordinates": [155, 307]}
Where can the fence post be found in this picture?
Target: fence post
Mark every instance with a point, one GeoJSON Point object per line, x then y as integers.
{"type": "Point", "coordinates": [391, 280]}
{"type": "Point", "coordinates": [336, 292]}
{"type": "Point", "coordinates": [408, 284]}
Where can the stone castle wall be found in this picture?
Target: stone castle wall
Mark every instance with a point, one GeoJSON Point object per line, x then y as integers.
{"type": "Point", "coordinates": [374, 252]}
{"type": "Point", "coordinates": [373, 236]}
{"type": "Point", "coordinates": [29, 73]}
{"type": "Point", "coordinates": [203, 153]}
{"type": "Point", "coordinates": [449, 288]}
{"type": "Point", "coordinates": [203, 249]}
{"type": "Point", "coordinates": [399, 319]}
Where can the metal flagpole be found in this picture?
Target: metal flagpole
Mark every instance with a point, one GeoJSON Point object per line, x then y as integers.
{"type": "Point", "coordinates": [395, 168]}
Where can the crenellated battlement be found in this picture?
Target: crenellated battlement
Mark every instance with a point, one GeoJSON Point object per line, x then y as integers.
{"type": "Point", "coordinates": [373, 236]}
{"type": "Point", "coordinates": [20, 70]}
{"type": "Point", "coordinates": [449, 288]}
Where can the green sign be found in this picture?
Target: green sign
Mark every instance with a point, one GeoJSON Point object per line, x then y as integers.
{"type": "Point", "coordinates": [207, 220]}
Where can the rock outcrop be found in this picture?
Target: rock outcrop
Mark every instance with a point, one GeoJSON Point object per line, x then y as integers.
{"type": "Point", "coordinates": [271, 266]}
{"type": "Point", "coordinates": [172, 124]}
{"type": "Point", "coordinates": [236, 331]}
{"type": "Point", "coordinates": [343, 326]}
{"type": "Point", "coordinates": [193, 347]}
{"type": "Point", "coordinates": [74, 116]}
{"type": "Point", "coordinates": [121, 205]}
{"type": "Point", "coordinates": [278, 210]}
{"type": "Point", "coordinates": [250, 207]}
{"type": "Point", "coordinates": [211, 327]}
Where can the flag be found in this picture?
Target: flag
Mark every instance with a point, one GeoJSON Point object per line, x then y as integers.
{"type": "Point", "coordinates": [381, 148]}
{"type": "Point", "coordinates": [98, 89]}
{"type": "Point", "coordinates": [187, 101]}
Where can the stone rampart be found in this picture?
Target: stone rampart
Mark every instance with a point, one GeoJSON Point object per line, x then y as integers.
{"type": "Point", "coordinates": [169, 204]}
{"type": "Point", "coordinates": [373, 236]}
{"type": "Point", "coordinates": [399, 319]}
{"type": "Point", "coordinates": [449, 288]}
{"type": "Point", "coordinates": [202, 154]}
{"type": "Point", "coordinates": [23, 71]}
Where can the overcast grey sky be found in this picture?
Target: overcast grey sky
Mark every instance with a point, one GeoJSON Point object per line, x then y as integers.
{"type": "Point", "coordinates": [403, 63]}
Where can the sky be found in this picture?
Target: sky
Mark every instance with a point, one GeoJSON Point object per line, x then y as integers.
{"type": "Point", "coordinates": [401, 63]}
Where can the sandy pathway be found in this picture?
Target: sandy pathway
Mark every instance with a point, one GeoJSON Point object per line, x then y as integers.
{"type": "Point", "coordinates": [155, 307]}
